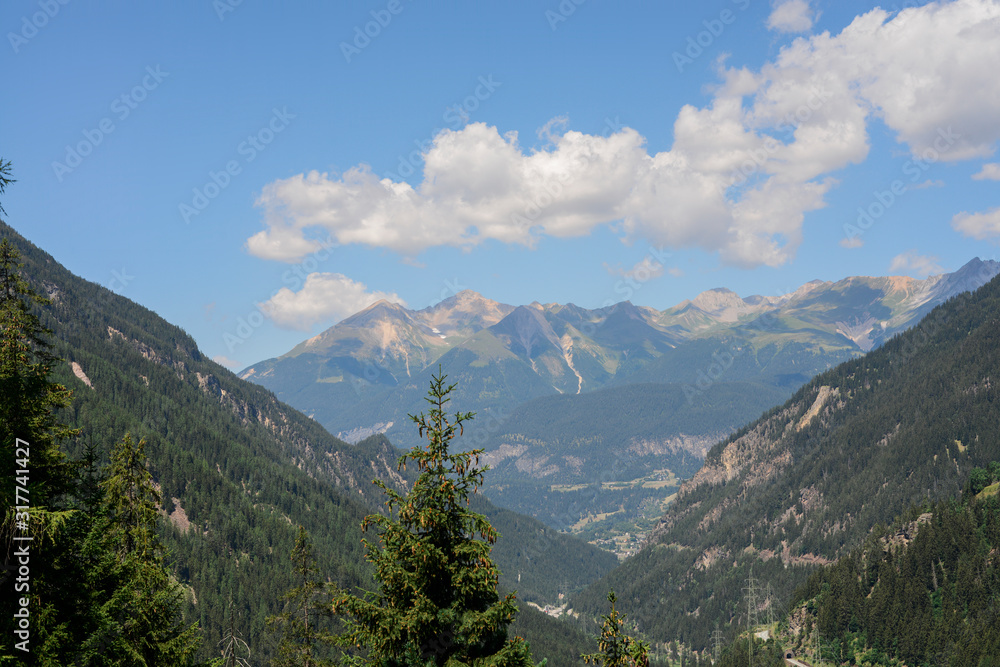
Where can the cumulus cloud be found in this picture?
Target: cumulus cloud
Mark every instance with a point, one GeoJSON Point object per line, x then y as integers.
{"type": "Point", "coordinates": [739, 179]}
{"type": "Point", "coordinates": [916, 265]}
{"type": "Point", "coordinates": [989, 172]}
{"type": "Point", "coordinates": [791, 16]}
{"type": "Point", "coordinates": [980, 226]}
{"type": "Point", "coordinates": [851, 242]}
{"type": "Point", "coordinates": [323, 296]}
{"type": "Point", "coordinates": [282, 243]}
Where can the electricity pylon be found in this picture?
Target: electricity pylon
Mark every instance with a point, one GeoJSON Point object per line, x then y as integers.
{"type": "Point", "coordinates": [716, 644]}
{"type": "Point", "coordinates": [753, 618]}
{"type": "Point", "coordinates": [769, 610]}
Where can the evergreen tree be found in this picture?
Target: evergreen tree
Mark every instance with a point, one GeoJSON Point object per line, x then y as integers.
{"type": "Point", "coordinates": [437, 601]}
{"type": "Point", "coordinates": [5, 179]}
{"type": "Point", "coordinates": [302, 637]}
{"type": "Point", "coordinates": [35, 476]}
{"type": "Point", "coordinates": [615, 648]}
{"type": "Point", "coordinates": [28, 398]}
{"type": "Point", "coordinates": [136, 605]}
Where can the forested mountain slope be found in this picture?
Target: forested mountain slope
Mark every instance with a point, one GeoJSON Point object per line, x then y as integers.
{"type": "Point", "coordinates": [238, 469]}
{"type": "Point", "coordinates": [808, 481]}
{"type": "Point", "coordinates": [924, 591]}
{"type": "Point", "coordinates": [604, 463]}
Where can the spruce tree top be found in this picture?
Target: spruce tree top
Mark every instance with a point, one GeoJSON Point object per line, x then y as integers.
{"type": "Point", "coordinates": [437, 600]}
{"type": "Point", "coordinates": [615, 648]}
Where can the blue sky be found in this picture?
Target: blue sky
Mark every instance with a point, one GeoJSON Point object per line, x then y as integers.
{"type": "Point", "coordinates": [274, 165]}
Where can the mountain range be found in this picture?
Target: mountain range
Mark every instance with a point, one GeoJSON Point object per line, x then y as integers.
{"type": "Point", "coordinates": [668, 384]}
{"type": "Point", "coordinates": [569, 349]}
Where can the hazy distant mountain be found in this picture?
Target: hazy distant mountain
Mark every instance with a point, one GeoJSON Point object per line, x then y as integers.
{"type": "Point", "coordinates": [721, 355]}
{"type": "Point", "coordinates": [357, 375]}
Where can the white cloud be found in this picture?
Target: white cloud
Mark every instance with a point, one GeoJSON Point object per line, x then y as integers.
{"type": "Point", "coordinates": [226, 361]}
{"type": "Point", "coordinates": [791, 16]}
{"type": "Point", "coordinates": [282, 243]}
{"type": "Point", "coordinates": [936, 183]}
{"type": "Point", "coordinates": [989, 172]}
{"type": "Point", "coordinates": [851, 242]}
{"type": "Point", "coordinates": [916, 265]}
{"type": "Point", "coordinates": [980, 226]}
{"type": "Point", "coordinates": [323, 296]}
{"type": "Point", "coordinates": [741, 174]}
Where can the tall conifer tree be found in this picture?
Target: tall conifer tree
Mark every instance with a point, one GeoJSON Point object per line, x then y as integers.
{"type": "Point", "coordinates": [136, 605]}
{"type": "Point", "coordinates": [303, 638]}
{"type": "Point", "coordinates": [34, 473]}
{"type": "Point", "coordinates": [437, 600]}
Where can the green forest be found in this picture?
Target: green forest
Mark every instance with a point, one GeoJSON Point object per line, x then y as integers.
{"type": "Point", "coordinates": [923, 599]}
{"type": "Point", "coordinates": [234, 472]}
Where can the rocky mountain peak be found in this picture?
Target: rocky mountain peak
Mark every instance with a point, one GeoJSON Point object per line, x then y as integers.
{"type": "Point", "coordinates": [718, 299]}
{"type": "Point", "coordinates": [381, 310]}
{"type": "Point", "coordinates": [973, 275]}
{"type": "Point", "coordinates": [467, 311]}
{"type": "Point", "coordinates": [526, 328]}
